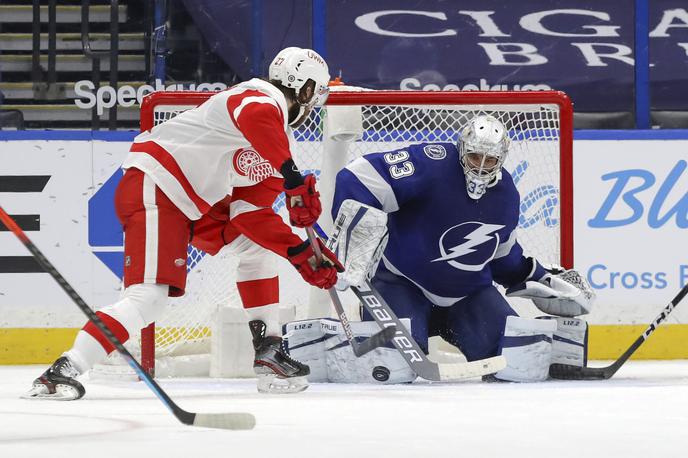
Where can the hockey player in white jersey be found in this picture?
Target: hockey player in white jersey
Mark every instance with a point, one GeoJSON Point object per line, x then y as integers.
{"type": "Point", "coordinates": [451, 212]}
{"type": "Point", "coordinates": [210, 176]}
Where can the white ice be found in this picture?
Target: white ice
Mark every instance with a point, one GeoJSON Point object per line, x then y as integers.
{"type": "Point", "coordinates": [641, 412]}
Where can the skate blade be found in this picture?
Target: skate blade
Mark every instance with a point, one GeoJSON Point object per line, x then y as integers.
{"type": "Point", "coordinates": [62, 393]}
{"type": "Point", "coordinates": [272, 384]}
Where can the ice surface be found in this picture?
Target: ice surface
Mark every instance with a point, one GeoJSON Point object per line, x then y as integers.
{"type": "Point", "coordinates": [642, 411]}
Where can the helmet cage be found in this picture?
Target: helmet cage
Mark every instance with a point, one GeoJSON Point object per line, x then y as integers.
{"type": "Point", "coordinates": [479, 177]}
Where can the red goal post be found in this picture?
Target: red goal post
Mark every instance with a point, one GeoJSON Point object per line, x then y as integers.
{"type": "Point", "coordinates": [546, 117]}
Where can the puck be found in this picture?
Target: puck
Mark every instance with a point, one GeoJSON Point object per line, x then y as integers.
{"type": "Point", "coordinates": [381, 373]}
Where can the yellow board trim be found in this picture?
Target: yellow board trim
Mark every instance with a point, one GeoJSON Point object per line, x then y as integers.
{"type": "Point", "coordinates": [44, 345]}
{"type": "Point", "coordinates": [34, 345]}
{"type": "Point", "coordinates": [666, 342]}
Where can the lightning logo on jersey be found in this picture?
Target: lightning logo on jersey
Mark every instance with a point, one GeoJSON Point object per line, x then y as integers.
{"type": "Point", "coordinates": [482, 240]}
{"type": "Point", "coordinates": [439, 237]}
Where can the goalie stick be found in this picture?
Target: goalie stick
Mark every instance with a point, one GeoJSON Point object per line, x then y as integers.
{"type": "Point", "coordinates": [568, 372]}
{"type": "Point", "coordinates": [208, 420]}
{"type": "Point", "coordinates": [372, 342]}
{"type": "Point", "coordinates": [412, 353]}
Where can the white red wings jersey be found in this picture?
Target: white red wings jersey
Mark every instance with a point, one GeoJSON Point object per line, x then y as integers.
{"type": "Point", "coordinates": [238, 137]}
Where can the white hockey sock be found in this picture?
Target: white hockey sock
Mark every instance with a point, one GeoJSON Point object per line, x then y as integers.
{"type": "Point", "coordinates": [86, 352]}
{"type": "Point", "coordinates": [268, 314]}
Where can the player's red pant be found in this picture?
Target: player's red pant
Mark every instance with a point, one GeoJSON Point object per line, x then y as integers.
{"type": "Point", "coordinates": [157, 235]}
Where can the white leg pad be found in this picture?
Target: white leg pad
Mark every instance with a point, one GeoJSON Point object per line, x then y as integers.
{"type": "Point", "coordinates": [570, 342]}
{"type": "Point", "coordinates": [322, 344]}
{"type": "Point", "coordinates": [527, 347]}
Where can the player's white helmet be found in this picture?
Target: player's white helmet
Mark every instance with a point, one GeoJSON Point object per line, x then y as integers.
{"type": "Point", "coordinates": [293, 67]}
{"type": "Point", "coordinates": [483, 147]}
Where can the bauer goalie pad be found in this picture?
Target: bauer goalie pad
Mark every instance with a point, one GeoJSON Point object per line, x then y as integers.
{"type": "Point", "coordinates": [570, 341]}
{"type": "Point", "coordinates": [359, 239]}
{"type": "Point", "coordinates": [562, 294]}
{"type": "Point", "coordinates": [322, 344]}
{"type": "Point", "coordinates": [527, 346]}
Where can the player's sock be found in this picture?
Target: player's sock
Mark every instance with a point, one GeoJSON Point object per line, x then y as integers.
{"type": "Point", "coordinates": [86, 352]}
{"type": "Point", "coordinates": [269, 315]}
{"type": "Point", "coordinates": [58, 382]}
{"type": "Point", "coordinates": [277, 371]}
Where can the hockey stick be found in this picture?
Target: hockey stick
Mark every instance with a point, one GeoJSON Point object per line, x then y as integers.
{"type": "Point", "coordinates": [567, 372]}
{"type": "Point", "coordinates": [412, 353]}
{"type": "Point", "coordinates": [207, 420]}
{"type": "Point", "coordinates": [372, 342]}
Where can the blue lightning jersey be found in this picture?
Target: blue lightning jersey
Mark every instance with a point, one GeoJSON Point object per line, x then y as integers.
{"type": "Point", "coordinates": [440, 239]}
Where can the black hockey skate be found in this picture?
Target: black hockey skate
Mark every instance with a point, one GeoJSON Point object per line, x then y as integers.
{"type": "Point", "coordinates": [277, 371]}
{"type": "Point", "coordinates": [58, 382]}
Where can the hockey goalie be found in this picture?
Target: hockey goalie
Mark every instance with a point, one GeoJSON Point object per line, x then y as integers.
{"type": "Point", "coordinates": [440, 218]}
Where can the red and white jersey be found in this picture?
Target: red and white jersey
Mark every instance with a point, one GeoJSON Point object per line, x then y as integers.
{"type": "Point", "coordinates": [238, 137]}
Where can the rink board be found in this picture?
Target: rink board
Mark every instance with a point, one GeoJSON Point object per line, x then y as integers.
{"type": "Point", "coordinates": [627, 250]}
{"type": "Point", "coordinates": [44, 345]}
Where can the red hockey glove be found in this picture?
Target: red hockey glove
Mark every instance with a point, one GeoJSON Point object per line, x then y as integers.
{"type": "Point", "coordinates": [324, 275]}
{"type": "Point", "coordinates": [303, 203]}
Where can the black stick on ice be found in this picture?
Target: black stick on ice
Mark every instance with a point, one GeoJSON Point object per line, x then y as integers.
{"type": "Point", "coordinates": [567, 372]}
{"type": "Point", "coordinates": [209, 420]}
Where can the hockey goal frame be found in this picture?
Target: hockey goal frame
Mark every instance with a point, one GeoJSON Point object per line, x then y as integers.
{"type": "Point", "coordinates": [412, 98]}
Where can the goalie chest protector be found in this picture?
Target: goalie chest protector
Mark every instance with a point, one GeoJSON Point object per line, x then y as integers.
{"type": "Point", "coordinates": [439, 238]}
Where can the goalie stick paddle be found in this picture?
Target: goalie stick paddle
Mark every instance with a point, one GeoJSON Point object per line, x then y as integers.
{"type": "Point", "coordinates": [376, 340]}
{"type": "Point", "coordinates": [567, 372]}
{"type": "Point", "coordinates": [412, 353]}
{"type": "Point", "coordinates": [208, 420]}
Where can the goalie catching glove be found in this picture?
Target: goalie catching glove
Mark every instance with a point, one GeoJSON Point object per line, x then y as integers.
{"type": "Point", "coordinates": [323, 275]}
{"type": "Point", "coordinates": [559, 292]}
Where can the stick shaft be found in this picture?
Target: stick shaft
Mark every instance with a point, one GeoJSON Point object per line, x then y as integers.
{"type": "Point", "coordinates": [654, 325]}
{"type": "Point", "coordinates": [563, 371]}
{"type": "Point", "coordinates": [369, 344]}
{"type": "Point", "coordinates": [182, 415]}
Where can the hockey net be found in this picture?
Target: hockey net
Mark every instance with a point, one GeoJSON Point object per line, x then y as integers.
{"type": "Point", "coordinates": [355, 122]}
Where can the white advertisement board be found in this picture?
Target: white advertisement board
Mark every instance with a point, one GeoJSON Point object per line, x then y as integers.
{"type": "Point", "coordinates": [62, 192]}
{"type": "Point", "coordinates": [631, 226]}
{"type": "Point", "coordinates": [71, 174]}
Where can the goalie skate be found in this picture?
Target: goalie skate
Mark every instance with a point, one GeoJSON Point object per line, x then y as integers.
{"type": "Point", "coordinates": [58, 383]}
{"type": "Point", "coordinates": [277, 372]}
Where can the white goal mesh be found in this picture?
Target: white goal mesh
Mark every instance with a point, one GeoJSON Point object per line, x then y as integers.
{"type": "Point", "coordinates": [539, 125]}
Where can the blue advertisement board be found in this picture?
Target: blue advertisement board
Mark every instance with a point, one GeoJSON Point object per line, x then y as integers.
{"type": "Point", "coordinates": [583, 47]}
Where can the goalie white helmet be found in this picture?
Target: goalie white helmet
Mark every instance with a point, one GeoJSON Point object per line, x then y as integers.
{"type": "Point", "coordinates": [483, 147]}
{"type": "Point", "coordinates": [293, 67]}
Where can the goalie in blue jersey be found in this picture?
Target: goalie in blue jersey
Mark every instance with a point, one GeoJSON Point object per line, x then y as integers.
{"type": "Point", "coordinates": [451, 211]}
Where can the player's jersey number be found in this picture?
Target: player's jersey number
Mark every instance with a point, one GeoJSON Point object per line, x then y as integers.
{"type": "Point", "coordinates": [400, 166]}
{"type": "Point", "coordinates": [473, 187]}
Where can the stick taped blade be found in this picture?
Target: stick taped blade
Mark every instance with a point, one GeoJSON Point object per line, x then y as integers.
{"type": "Point", "coordinates": [234, 421]}
{"type": "Point", "coordinates": [487, 366]}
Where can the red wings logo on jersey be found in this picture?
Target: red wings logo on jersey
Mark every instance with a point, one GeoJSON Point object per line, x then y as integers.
{"type": "Point", "coordinates": [249, 163]}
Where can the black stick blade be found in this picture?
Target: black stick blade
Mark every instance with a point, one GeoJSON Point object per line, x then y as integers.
{"type": "Point", "coordinates": [375, 341]}
{"type": "Point", "coordinates": [567, 372]}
